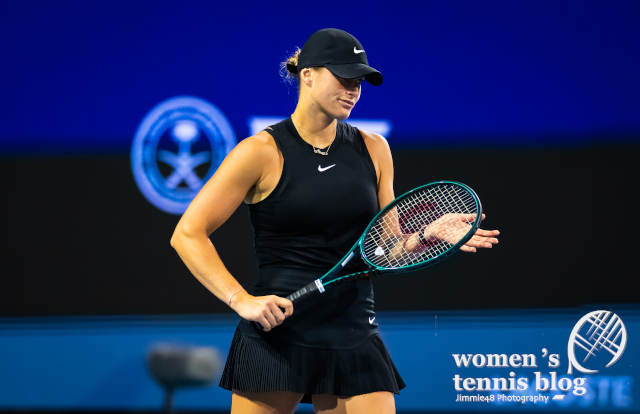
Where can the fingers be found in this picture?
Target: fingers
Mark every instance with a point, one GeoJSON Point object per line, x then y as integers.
{"type": "Point", "coordinates": [276, 310]}
{"type": "Point", "coordinates": [484, 241]}
{"type": "Point", "coordinates": [481, 238]}
{"type": "Point", "coordinates": [467, 249]}
{"type": "Point", "coordinates": [469, 218]}
{"type": "Point", "coordinates": [478, 242]}
{"type": "Point", "coordinates": [266, 326]}
{"type": "Point", "coordinates": [487, 233]}
{"type": "Point", "coordinates": [285, 304]}
{"type": "Point", "coordinates": [271, 319]}
{"type": "Point", "coordinates": [277, 313]}
{"type": "Point", "coordinates": [466, 218]}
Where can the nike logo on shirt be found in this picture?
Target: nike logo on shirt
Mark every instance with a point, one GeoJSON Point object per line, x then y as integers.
{"type": "Point", "coordinates": [371, 320]}
{"type": "Point", "coordinates": [323, 169]}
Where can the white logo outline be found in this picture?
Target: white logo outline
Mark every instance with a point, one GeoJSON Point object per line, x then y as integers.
{"type": "Point", "coordinates": [371, 319]}
{"type": "Point", "coordinates": [603, 325]}
{"type": "Point", "coordinates": [321, 169]}
{"type": "Point", "coordinates": [357, 51]}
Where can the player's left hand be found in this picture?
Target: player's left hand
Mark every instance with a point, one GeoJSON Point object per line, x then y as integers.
{"type": "Point", "coordinates": [481, 239]}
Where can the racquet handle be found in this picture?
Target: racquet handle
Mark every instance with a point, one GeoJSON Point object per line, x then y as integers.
{"type": "Point", "coordinates": [316, 285]}
{"type": "Point", "coordinates": [307, 290]}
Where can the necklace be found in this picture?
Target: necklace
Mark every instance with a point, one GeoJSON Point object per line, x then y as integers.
{"type": "Point", "coordinates": [320, 151]}
{"type": "Point", "coordinates": [315, 149]}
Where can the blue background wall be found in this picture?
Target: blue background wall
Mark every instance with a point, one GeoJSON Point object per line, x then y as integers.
{"type": "Point", "coordinates": [99, 363]}
{"type": "Point", "coordinates": [534, 104]}
{"type": "Point", "coordinates": [80, 76]}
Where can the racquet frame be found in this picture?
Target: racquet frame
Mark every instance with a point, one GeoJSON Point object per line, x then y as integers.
{"type": "Point", "coordinates": [318, 284]}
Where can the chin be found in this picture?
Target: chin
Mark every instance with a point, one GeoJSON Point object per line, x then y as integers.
{"type": "Point", "coordinates": [342, 115]}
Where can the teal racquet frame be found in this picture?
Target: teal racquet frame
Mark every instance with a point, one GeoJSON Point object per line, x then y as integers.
{"type": "Point", "coordinates": [358, 248]}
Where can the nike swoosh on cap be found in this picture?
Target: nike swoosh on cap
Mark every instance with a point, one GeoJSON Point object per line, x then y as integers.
{"type": "Point", "coordinates": [356, 50]}
{"type": "Point", "coordinates": [323, 169]}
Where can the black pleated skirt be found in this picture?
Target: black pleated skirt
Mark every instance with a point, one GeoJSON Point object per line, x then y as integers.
{"type": "Point", "coordinates": [255, 365]}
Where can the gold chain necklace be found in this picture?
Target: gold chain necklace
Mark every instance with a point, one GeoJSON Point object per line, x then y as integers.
{"type": "Point", "coordinates": [316, 150]}
{"type": "Point", "coordinates": [325, 152]}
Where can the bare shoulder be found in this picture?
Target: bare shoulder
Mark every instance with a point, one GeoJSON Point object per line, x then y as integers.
{"type": "Point", "coordinates": [260, 145]}
{"type": "Point", "coordinates": [263, 161]}
{"type": "Point", "coordinates": [375, 141]}
{"type": "Point", "coordinates": [265, 138]}
{"type": "Point", "coordinates": [248, 162]}
{"type": "Point", "coordinates": [377, 145]}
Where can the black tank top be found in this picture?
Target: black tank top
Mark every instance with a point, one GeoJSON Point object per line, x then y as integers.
{"type": "Point", "coordinates": [317, 211]}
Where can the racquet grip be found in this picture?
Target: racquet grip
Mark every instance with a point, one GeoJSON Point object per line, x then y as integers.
{"type": "Point", "coordinates": [316, 285]}
{"type": "Point", "coordinates": [305, 291]}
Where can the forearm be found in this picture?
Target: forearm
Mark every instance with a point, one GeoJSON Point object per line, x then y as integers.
{"type": "Point", "coordinates": [412, 242]}
{"type": "Point", "coordinates": [202, 259]}
{"type": "Point", "coordinates": [394, 246]}
{"type": "Point", "coordinates": [398, 244]}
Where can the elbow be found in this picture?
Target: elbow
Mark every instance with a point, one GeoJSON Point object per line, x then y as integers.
{"type": "Point", "coordinates": [174, 238]}
{"type": "Point", "coordinates": [181, 233]}
{"type": "Point", "coordinates": [177, 236]}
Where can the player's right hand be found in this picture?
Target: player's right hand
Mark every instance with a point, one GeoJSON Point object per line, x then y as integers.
{"type": "Point", "coordinates": [268, 311]}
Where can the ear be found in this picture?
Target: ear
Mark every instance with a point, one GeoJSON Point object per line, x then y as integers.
{"type": "Point", "coordinates": [306, 76]}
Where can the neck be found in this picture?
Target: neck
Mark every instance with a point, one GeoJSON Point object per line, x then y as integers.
{"type": "Point", "coordinates": [313, 125]}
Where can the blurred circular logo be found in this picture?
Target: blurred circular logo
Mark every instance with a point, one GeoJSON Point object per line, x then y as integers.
{"type": "Point", "coordinates": [178, 146]}
{"type": "Point", "coordinates": [597, 341]}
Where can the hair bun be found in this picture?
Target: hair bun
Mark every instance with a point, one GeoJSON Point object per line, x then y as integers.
{"type": "Point", "coordinates": [292, 68]}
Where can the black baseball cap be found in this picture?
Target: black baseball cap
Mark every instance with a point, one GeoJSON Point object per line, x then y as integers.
{"type": "Point", "coordinates": [338, 51]}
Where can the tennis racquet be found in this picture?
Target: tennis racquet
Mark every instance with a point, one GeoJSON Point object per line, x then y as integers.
{"type": "Point", "coordinates": [418, 229]}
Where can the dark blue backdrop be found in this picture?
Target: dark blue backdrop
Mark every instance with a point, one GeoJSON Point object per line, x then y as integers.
{"type": "Point", "coordinates": [80, 239]}
{"type": "Point", "coordinates": [81, 76]}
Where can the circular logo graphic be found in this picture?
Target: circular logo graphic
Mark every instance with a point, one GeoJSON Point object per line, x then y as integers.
{"type": "Point", "coordinates": [178, 146]}
{"type": "Point", "coordinates": [597, 340]}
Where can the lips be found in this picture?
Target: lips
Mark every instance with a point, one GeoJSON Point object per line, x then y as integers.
{"type": "Point", "coordinates": [348, 104]}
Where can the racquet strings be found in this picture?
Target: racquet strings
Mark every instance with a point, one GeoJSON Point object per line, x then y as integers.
{"type": "Point", "coordinates": [453, 204]}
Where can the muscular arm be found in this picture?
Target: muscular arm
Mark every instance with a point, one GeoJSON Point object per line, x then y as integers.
{"type": "Point", "coordinates": [382, 161]}
{"type": "Point", "coordinates": [239, 175]}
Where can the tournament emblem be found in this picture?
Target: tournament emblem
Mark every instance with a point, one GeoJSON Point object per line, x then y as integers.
{"type": "Point", "coordinates": [178, 146]}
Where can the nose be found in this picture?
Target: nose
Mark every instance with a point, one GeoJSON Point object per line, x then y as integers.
{"type": "Point", "coordinates": [353, 84]}
{"type": "Point", "coordinates": [350, 84]}
{"type": "Point", "coordinates": [353, 92]}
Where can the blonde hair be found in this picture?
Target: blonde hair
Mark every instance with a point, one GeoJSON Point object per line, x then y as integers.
{"type": "Point", "coordinates": [289, 77]}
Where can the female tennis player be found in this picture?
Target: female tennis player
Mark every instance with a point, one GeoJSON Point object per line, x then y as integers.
{"type": "Point", "coordinates": [312, 183]}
